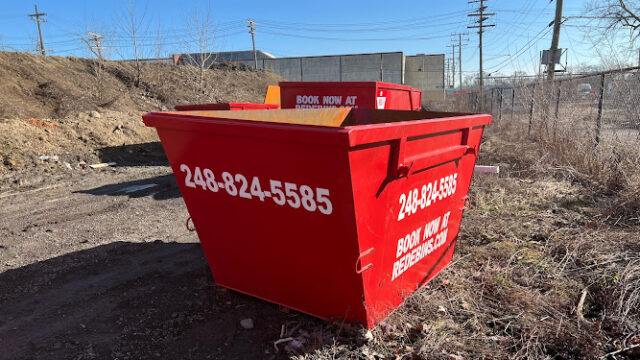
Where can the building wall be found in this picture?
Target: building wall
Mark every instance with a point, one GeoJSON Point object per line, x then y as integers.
{"type": "Point", "coordinates": [426, 72]}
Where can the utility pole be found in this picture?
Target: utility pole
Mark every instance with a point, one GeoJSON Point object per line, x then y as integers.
{"type": "Point", "coordinates": [460, 58]}
{"type": "Point", "coordinates": [448, 73]}
{"type": "Point", "coordinates": [482, 16]}
{"type": "Point", "coordinates": [453, 64]}
{"type": "Point", "coordinates": [554, 40]}
{"type": "Point", "coordinates": [36, 17]}
{"type": "Point", "coordinates": [252, 31]}
{"type": "Point", "coordinates": [459, 40]}
{"type": "Point", "coordinates": [95, 44]}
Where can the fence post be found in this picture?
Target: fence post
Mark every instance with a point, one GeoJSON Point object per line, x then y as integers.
{"type": "Point", "coordinates": [533, 96]}
{"type": "Point", "coordinates": [600, 101]}
{"type": "Point", "coordinates": [555, 121]}
{"type": "Point", "coordinates": [500, 105]}
{"type": "Point", "coordinates": [558, 98]}
{"type": "Point", "coordinates": [492, 101]}
{"type": "Point", "coordinates": [513, 100]}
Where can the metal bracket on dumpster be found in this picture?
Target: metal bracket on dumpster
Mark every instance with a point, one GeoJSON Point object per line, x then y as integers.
{"type": "Point", "coordinates": [186, 223]}
{"type": "Point", "coordinates": [402, 165]}
{"type": "Point", "coordinates": [359, 269]}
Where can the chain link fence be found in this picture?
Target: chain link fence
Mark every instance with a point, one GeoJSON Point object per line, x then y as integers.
{"type": "Point", "coordinates": [588, 124]}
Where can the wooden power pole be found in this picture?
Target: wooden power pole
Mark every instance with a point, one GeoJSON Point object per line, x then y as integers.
{"type": "Point", "coordinates": [459, 45]}
{"type": "Point", "coordinates": [554, 41]}
{"type": "Point", "coordinates": [460, 58]}
{"type": "Point", "coordinates": [481, 16]}
{"type": "Point", "coordinates": [37, 18]}
{"type": "Point", "coordinates": [95, 44]}
{"type": "Point", "coordinates": [453, 65]}
{"type": "Point", "coordinates": [252, 31]}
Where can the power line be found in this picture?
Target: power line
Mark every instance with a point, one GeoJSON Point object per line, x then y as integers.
{"type": "Point", "coordinates": [523, 49]}
{"type": "Point", "coordinates": [353, 39]}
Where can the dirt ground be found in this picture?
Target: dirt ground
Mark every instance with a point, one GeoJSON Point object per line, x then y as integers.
{"type": "Point", "coordinates": [98, 264]}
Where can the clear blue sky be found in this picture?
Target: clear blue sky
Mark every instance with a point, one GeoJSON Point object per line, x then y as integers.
{"type": "Point", "coordinates": [299, 28]}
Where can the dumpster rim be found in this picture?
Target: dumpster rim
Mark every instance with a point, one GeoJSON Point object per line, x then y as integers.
{"type": "Point", "coordinates": [349, 84]}
{"type": "Point", "coordinates": [300, 133]}
{"type": "Point", "coordinates": [319, 134]}
{"type": "Point", "coordinates": [229, 105]}
{"type": "Point", "coordinates": [373, 133]}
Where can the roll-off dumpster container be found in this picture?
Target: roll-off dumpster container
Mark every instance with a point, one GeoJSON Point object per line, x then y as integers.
{"type": "Point", "coordinates": [338, 213]}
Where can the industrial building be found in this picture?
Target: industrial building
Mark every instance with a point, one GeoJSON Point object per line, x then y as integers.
{"type": "Point", "coordinates": [422, 71]}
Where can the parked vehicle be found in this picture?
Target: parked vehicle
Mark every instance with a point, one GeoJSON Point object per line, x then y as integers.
{"type": "Point", "coordinates": [585, 91]}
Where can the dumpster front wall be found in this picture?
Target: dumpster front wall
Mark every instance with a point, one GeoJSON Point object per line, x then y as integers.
{"type": "Point", "coordinates": [281, 253]}
{"type": "Point", "coordinates": [411, 223]}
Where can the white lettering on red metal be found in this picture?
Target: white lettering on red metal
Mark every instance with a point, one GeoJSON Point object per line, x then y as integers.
{"type": "Point", "coordinates": [327, 101]}
{"type": "Point", "coordinates": [429, 194]}
{"type": "Point", "coordinates": [283, 194]}
{"type": "Point", "coordinates": [412, 247]}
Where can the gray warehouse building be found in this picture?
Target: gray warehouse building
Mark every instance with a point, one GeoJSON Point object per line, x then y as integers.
{"type": "Point", "coordinates": [425, 72]}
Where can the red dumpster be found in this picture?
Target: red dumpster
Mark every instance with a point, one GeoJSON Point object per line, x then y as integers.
{"type": "Point", "coordinates": [338, 213]}
{"type": "Point", "coordinates": [227, 106]}
{"type": "Point", "coordinates": [371, 95]}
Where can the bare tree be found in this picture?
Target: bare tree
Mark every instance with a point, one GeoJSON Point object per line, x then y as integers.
{"type": "Point", "coordinates": [133, 25]}
{"type": "Point", "coordinates": [159, 38]}
{"type": "Point", "coordinates": [618, 14]}
{"type": "Point", "coordinates": [200, 43]}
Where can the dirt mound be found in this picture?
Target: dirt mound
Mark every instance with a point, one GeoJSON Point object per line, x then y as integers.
{"type": "Point", "coordinates": [56, 87]}
{"type": "Point", "coordinates": [70, 109]}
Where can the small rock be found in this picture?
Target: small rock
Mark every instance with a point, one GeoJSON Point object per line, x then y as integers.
{"type": "Point", "coordinates": [368, 335]}
{"type": "Point", "coordinates": [455, 357]}
{"type": "Point", "coordinates": [95, 114]}
{"type": "Point", "coordinates": [43, 157]}
{"type": "Point", "coordinates": [295, 344]}
{"type": "Point", "coordinates": [247, 323]}
{"type": "Point", "coordinates": [54, 158]}
{"type": "Point", "coordinates": [442, 309]}
{"type": "Point", "coordinates": [67, 165]}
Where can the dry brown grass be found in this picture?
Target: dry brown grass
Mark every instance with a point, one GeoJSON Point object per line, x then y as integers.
{"type": "Point", "coordinates": [532, 244]}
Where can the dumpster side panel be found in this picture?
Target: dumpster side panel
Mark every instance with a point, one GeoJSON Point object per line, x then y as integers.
{"type": "Point", "coordinates": [370, 95]}
{"type": "Point", "coordinates": [411, 222]}
{"type": "Point", "coordinates": [281, 224]}
{"type": "Point", "coordinates": [313, 95]}
{"type": "Point", "coordinates": [394, 98]}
